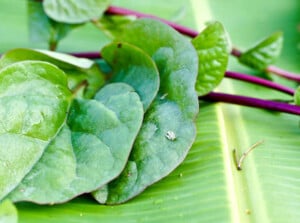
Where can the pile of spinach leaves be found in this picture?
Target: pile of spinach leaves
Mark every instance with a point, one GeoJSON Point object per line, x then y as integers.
{"type": "Point", "coordinates": [113, 127]}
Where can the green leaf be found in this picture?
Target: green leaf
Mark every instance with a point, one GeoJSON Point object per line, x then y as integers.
{"type": "Point", "coordinates": [64, 61]}
{"type": "Point", "coordinates": [72, 11]}
{"type": "Point", "coordinates": [44, 29]}
{"type": "Point", "coordinates": [103, 134]}
{"type": "Point", "coordinates": [77, 69]}
{"type": "Point", "coordinates": [155, 153]}
{"type": "Point", "coordinates": [8, 212]}
{"type": "Point", "coordinates": [54, 172]}
{"type": "Point", "coordinates": [114, 25]}
{"type": "Point", "coordinates": [198, 191]}
{"type": "Point", "coordinates": [213, 49]}
{"type": "Point", "coordinates": [34, 100]}
{"type": "Point", "coordinates": [100, 156]}
{"type": "Point", "coordinates": [264, 53]}
{"type": "Point", "coordinates": [141, 73]}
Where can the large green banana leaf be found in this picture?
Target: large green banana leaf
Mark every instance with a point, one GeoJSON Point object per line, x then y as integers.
{"type": "Point", "coordinates": [207, 187]}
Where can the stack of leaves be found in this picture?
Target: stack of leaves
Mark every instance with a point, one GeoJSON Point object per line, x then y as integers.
{"type": "Point", "coordinates": [69, 127]}
{"type": "Point", "coordinates": [65, 131]}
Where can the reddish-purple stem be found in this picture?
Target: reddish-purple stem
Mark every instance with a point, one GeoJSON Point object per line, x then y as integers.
{"type": "Point", "coordinates": [252, 102]}
{"type": "Point", "coordinates": [122, 11]}
{"type": "Point", "coordinates": [192, 33]}
{"type": "Point", "coordinates": [259, 81]}
{"type": "Point", "coordinates": [90, 55]}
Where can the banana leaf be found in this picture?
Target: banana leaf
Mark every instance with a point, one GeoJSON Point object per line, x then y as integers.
{"type": "Point", "coordinates": [206, 187]}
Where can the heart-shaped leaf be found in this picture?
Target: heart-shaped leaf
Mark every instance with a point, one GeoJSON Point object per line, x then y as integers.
{"type": "Point", "coordinates": [34, 100]}
{"type": "Point", "coordinates": [101, 138]}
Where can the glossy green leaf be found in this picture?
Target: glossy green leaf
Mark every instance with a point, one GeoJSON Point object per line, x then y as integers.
{"type": "Point", "coordinates": [168, 130]}
{"type": "Point", "coordinates": [72, 11]}
{"type": "Point", "coordinates": [213, 49]}
{"type": "Point", "coordinates": [114, 25]}
{"type": "Point", "coordinates": [201, 189]}
{"type": "Point", "coordinates": [44, 29]}
{"type": "Point", "coordinates": [264, 53]}
{"type": "Point", "coordinates": [34, 100]}
{"type": "Point", "coordinates": [77, 69]}
{"type": "Point", "coordinates": [141, 73]}
{"type": "Point", "coordinates": [103, 134]}
{"type": "Point", "coordinates": [54, 172]}
{"type": "Point", "coordinates": [8, 212]}
{"type": "Point", "coordinates": [90, 155]}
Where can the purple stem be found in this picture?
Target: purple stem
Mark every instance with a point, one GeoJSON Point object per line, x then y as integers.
{"type": "Point", "coordinates": [229, 74]}
{"type": "Point", "coordinates": [252, 102]}
{"type": "Point", "coordinates": [90, 55]}
{"type": "Point", "coordinates": [259, 81]}
{"type": "Point", "coordinates": [192, 33]}
{"type": "Point", "coordinates": [122, 11]}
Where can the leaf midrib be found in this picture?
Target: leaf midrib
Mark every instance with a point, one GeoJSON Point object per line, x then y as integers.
{"type": "Point", "coordinates": [245, 199]}
{"type": "Point", "coordinates": [243, 187]}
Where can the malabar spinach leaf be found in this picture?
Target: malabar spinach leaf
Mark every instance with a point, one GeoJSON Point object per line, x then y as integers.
{"type": "Point", "coordinates": [168, 130]}
{"type": "Point", "coordinates": [73, 11]}
{"type": "Point", "coordinates": [134, 67]}
{"type": "Point", "coordinates": [213, 49]}
{"type": "Point", "coordinates": [8, 212]}
{"type": "Point", "coordinates": [44, 29]}
{"type": "Point", "coordinates": [92, 151]}
{"type": "Point", "coordinates": [103, 132]}
{"type": "Point", "coordinates": [264, 53]}
{"type": "Point", "coordinates": [53, 172]}
{"type": "Point", "coordinates": [77, 69]}
{"type": "Point", "coordinates": [34, 100]}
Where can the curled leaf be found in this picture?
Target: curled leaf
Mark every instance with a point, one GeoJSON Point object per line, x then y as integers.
{"type": "Point", "coordinates": [78, 70]}
{"type": "Point", "coordinates": [213, 49]}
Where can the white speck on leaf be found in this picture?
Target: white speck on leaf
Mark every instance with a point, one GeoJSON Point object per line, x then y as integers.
{"type": "Point", "coordinates": [170, 135]}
